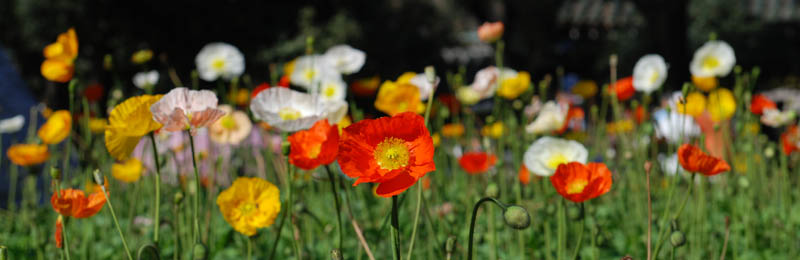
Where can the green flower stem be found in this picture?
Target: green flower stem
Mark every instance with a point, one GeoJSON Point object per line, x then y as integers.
{"type": "Point", "coordinates": [561, 229]}
{"type": "Point", "coordinates": [277, 237]}
{"type": "Point", "coordinates": [580, 234]}
{"type": "Point", "coordinates": [419, 186]}
{"type": "Point", "coordinates": [675, 217]}
{"type": "Point", "coordinates": [394, 230]}
{"type": "Point", "coordinates": [332, 178]}
{"type": "Point", "coordinates": [157, 201]}
{"type": "Point", "coordinates": [196, 223]}
{"type": "Point", "coordinates": [472, 222]}
{"type": "Point", "coordinates": [13, 171]}
{"type": "Point", "coordinates": [65, 161]}
{"type": "Point", "coordinates": [116, 222]}
{"type": "Point", "coordinates": [65, 246]}
{"type": "Point", "coordinates": [249, 248]}
{"type": "Point", "coordinates": [290, 207]}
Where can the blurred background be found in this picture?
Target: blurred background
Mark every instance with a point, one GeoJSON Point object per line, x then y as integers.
{"type": "Point", "coordinates": [402, 35]}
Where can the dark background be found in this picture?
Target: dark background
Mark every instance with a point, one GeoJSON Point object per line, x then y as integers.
{"type": "Point", "coordinates": [400, 35]}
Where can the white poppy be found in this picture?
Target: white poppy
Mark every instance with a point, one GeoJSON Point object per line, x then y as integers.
{"type": "Point", "coordinates": [649, 73]}
{"type": "Point", "coordinates": [669, 164]}
{"type": "Point", "coordinates": [345, 59]}
{"type": "Point", "coordinates": [713, 59]}
{"type": "Point", "coordinates": [145, 79]}
{"type": "Point", "coordinates": [777, 118]}
{"type": "Point", "coordinates": [485, 82]}
{"type": "Point", "coordinates": [332, 89]}
{"type": "Point", "coordinates": [219, 59]}
{"type": "Point", "coordinates": [551, 118]}
{"type": "Point", "coordinates": [310, 70]}
{"type": "Point", "coordinates": [290, 110]}
{"type": "Point", "coordinates": [545, 155]}
{"type": "Point", "coordinates": [668, 125]}
{"type": "Point", "coordinates": [425, 87]}
{"type": "Point", "coordinates": [12, 124]}
{"type": "Point", "coordinates": [467, 96]}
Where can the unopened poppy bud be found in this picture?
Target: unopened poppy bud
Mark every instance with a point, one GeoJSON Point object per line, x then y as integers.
{"type": "Point", "coordinates": [285, 147]}
{"type": "Point", "coordinates": [737, 69]}
{"type": "Point", "coordinates": [575, 213]}
{"type": "Point", "coordinates": [55, 173]}
{"type": "Point", "coordinates": [677, 239]}
{"type": "Point", "coordinates": [3, 253]}
{"type": "Point", "coordinates": [336, 254]}
{"type": "Point", "coordinates": [517, 104]}
{"type": "Point", "coordinates": [517, 217]}
{"type": "Point", "coordinates": [492, 190]}
{"type": "Point", "coordinates": [178, 197]}
{"type": "Point", "coordinates": [200, 251]}
{"type": "Point", "coordinates": [755, 72]}
{"type": "Point", "coordinates": [108, 62]}
{"type": "Point", "coordinates": [647, 166]}
{"type": "Point", "coordinates": [685, 91]}
{"type": "Point", "coordinates": [98, 177]}
{"type": "Point", "coordinates": [450, 244]}
{"type": "Point", "coordinates": [444, 112]}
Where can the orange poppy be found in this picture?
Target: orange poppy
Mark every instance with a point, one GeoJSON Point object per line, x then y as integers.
{"type": "Point", "coordinates": [640, 114]}
{"type": "Point", "coordinates": [59, 228]}
{"type": "Point", "coordinates": [624, 88]}
{"type": "Point", "coordinates": [391, 151]}
{"type": "Point", "coordinates": [575, 115]}
{"type": "Point", "coordinates": [760, 103]}
{"type": "Point", "coordinates": [453, 130]}
{"type": "Point", "coordinates": [524, 175]}
{"type": "Point", "coordinates": [790, 140]}
{"type": "Point", "coordinates": [73, 203]}
{"type": "Point", "coordinates": [477, 162]}
{"type": "Point", "coordinates": [365, 87]}
{"type": "Point", "coordinates": [315, 146]}
{"type": "Point", "coordinates": [695, 160]}
{"type": "Point", "coordinates": [27, 154]}
{"type": "Point", "coordinates": [578, 182]}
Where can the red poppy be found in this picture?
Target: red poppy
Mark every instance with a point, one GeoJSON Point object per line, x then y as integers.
{"type": "Point", "coordinates": [640, 114]}
{"type": "Point", "coordinates": [695, 160]}
{"type": "Point", "coordinates": [578, 182]}
{"type": "Point", "coordinates": [790, 140]}
{"type": "Point", "coordinates": [73, 203]}
{"type": "Point", "coordinates": [524, 175]}
{"type": "Point", "coordinates": [284, 82]}
{"type": "Point", "coordinates": [624, 88]}
{"type": "Point", "coordinates": [93, 92]}
{"type": "Point", "coordinates": [315, 146]}
{"type": "Point", "coordinates": [391, 151]}
{"type": "Point", "coordinates": [365, 87]}
{"type": "Point", "coordinates": [477, 162]}
{"type": "Point", "coordinates": [574, 117]}
{"type": "Point", "coordinates": [761, 103]}
{"type": "Point", "coordinates": [451, 102]}
{"type": "Point", "coordinates": [258, 89]}
{"type": "Point", "coordinates": [59, 228]}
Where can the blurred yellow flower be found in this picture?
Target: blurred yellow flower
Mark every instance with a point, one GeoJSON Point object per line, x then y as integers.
{"type": "Point", "coordinates": [585, 88]}
{"type": "Point", "coordinates": [453, 130]}
{"type": "Point", "coordinates": [752, 128]}
{"type": "Point", "coordinates": [27, 154]}
{"type": "Point", "coordinates": [705, 83]}
{"type": "Point", "coordinates": [721, 104]}
{"type": "Point", "coordinates": [437, 139]}
{"type": "Point", "coordinates": [694, 106]}
{"type": "Point", "coordinates": [467, 96]}
{"type": "Point", "coordinates": [345, 122]}
{"type": "Point", "coordinates": [97, 125]}
{"type": "Point", "coordinates": [288, 68]}
{"type": "Point", "coordinates": [512, 87]}
{"type": "Point", "coordinates": [250, 204]}
{"type": "Point", "coordinates": [60, 55]}
{"type": "Point", "coordinates": [57, 70]}
{"type": "Point", "coordinates": [141, 56]}
{"type": "Point", "coordinates": [56, 128]}
{"type": "Point", "coordinates": [622, 126]}
{"type": "Point", "coordinates": [127, 171]}
{"type": "Point", "coordinates": [405, 78]}
{"type": "Point", "coordinates": [396, 98]}
{"type": "Point", "coordinates": [240, 97]}
{"type": "Point", "coordinates": [494, 130]}
{"type": "Point", "coordinates": [127, 123]}
{"type": "Point", "coordinates": [232, 128]}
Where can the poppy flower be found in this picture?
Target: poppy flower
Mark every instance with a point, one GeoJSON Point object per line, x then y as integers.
{"type": "Point", "coordinates": [791, 140]}
{"type": "Point", "coordinates": [693, 105]}
{"type": "Point", "coordinates": [705, 83]}
{"type": "Point", "coordinates": [394, 98]}
{"type": "Point", "coordinates": [249, 204]}
{"type": "Point", "coordinates": [453, 130]}
{"type": "Point", "coordinates": [128, 171]}
{"type": "Point", "coordinates": [316, 146]}
{"type": "Point", "coordinates": [649, 73]}
{"type": "Point", "coordinates": [289, 110]}
{"type": "Point", "coordinates": [623, 88]}
{"type": "Point", "coordinates": [219, 60]}
{"type": "Point", "coordinates": [490, 32]}
{"type": "Point", "coordinates": [73, 203]}
{"type": "Point", "coordinates": [232, 128]}
{"type": "Point", "coordinates": [391, 151]}
{"type": "Point", "coordinates": [284, 81]}
{"type": "Point", "coordinates": [513, 87]}
{"type": "Point", "coordinates": [127, 123]}
{"type": "Point", "coordinates": [552, 117]}
{"type": "Point", "coordinates": [57, 127]}
{"type": "Point", "coordinates": [365, 87]}
{"type": "Point", "coordinates": [181, 109]}
{"type": "Point", "coordinates": [695, 160]}
{"type": "Point", "coordinates": [27, 154]}
{"type": "Point", "coordinates": [12, 124]}
{"type": "Point", "coordinates": [573, 120]}
{"type": "Point", "coordinates": [524, 175]}
{"type": "Point", "coordinates": [141, 56]}
{"type": "Point", "coordinates": [494, 130]}
{"type": "Point", "coordinates": [545, 155]}
{"type": "Point", "coordinates": [258, 89]}
{"type": "Point", "coordinates": [761, 103]}
{"type": "Point", "coordinates": [93, 92]}
{"type": "Point", "coordinates": [345, 59]}
{"type": "Point", "coordinates": [59, 228]}
{"type": "Point", "coordinates": [640, 114]}
{"type": "Point", "coordinates": [60, 56]}
{"type": "Point", "coordinates": [477, 162]}
{"type": "Point", "coordinates": [721, 104]}
{"type": "Point", "coordinates": [713, 59]}
{"type": "Point", "coordinates": [578, 182]}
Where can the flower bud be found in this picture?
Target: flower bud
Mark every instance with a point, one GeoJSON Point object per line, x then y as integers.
{"type": "Point", "coordinates": [98, 177]}
{"type": "Point", "coordinates": [517, 217]}
{"type": "Point", "coordinates": [200, 251]}
{"type": "Point", "coordinates": [575, 213]}
{"type": "Point", "coordinates": [55, 173]}
{"type": "Point", "coordinates": [336, 254]}
{"type": "Point", "coordinates": [450, 244]}
{"type": "Point", "coordinates": [492, 190]}
{"type": "Point", "coordinates": [178, 197]}
{"type": "Point", "coordinates": [108, 62]}
{"type": "Point", "coordinates": [491, 32]}
{"type": "Point", "coordinates": [285, 147]}
{"type": "Point", "coordinates": [3, 253]}
{"type": "Point", "coordinates": [430, 74]}
{"type": "Point", "coordinates": [677, 239]}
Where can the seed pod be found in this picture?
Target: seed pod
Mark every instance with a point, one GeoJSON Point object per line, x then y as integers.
{"type": "Point", "coordinates": [677, 239]}
{"type": "Point", "coordinates": [517, 217]}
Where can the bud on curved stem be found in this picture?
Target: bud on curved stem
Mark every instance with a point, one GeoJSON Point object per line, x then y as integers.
{"type": "Point", "coordinates": [515, 216]}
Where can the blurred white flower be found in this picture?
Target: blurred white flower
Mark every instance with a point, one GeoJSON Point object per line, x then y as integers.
{"type": "Point", "coordinates": [332, 89]}
{"type": "Point", "coordinates": [550, 118]}
{"type": "Point", "coordinates": [311, 70]}
{"type": "Point", "coordinates": [668, 125]}
{"type": "Point", "coordinates": [289, 110]}
{"type": "Point", "coordinates": [777, 118]}
{"type": "Point", "coordinates": [145, 79]}
{"type": "Point", "coordinates": [545, 155]}
{"type": "Point", "coordinates": [219, 59]}
{"type": "Point", "coordinates": [345, 59]}
{"type": "Point", "coordinates": [467, 96]}
{"type": "Point", "coordinates": [12, 124]}
{"type": "Point", "coordinates": [425, 87]}
{"type": "Point", "coordinates": [485, 83]}
{"type": "Point", "coordinates": [649, 73]}
{"type": "Point", "coordinates": [713, 59]}
{"type": "Point", "coordinates": [669, 164]}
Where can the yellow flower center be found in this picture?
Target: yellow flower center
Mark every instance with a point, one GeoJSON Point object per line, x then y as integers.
{"type": "Point", "coordinates": [654, 77]}
{"type": "Point", "coordinates": [218, 64]}
{"type": "Point", "coordinates": [329, 91]}
{"type": "Point", "coordinates": [576, 186]}
{"type": "Point", "coordinates": [309, 74]}
{"type": "Point", "coordinates": [288, 113]}
{"type": "Point", "coordinates": [314, 151]}
{"type": "Point", "coordinates": [391, 154]}
{"type": "Point", "coordinates": [247, 208]}
{"type": "Point", "coordinates": [228, 122]}
{"type": "Point", "coordinates": [556, 160]}
{"type": "Point", "coordinates": [710, 62]}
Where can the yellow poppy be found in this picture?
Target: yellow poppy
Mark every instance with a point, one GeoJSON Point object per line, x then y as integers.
{"type": "Point", "coordinates": [57, 70]}
{"type": "Point", "coordinates": [512, 87]}
{"type": "Point", "coordinates": [695, 104]}
{"type": "Point", "coordinates": [705, 83]}
{"type": "Point", "coordinates": [622, 126]}
{"type": "Point", "coordinates": [467, 96]}
{"type": "Point", "coordinates": [27, 154]}
{"type": "Point", "coordinates": [141, 56]}
{"type": "Point", "coordinates": [65, 47]}
{"type": "Point", "coordinates": [437, 139]}
{"type": "Point", "coordinates": [405, 78]}
{"type": "Point", "coordinates": [127, 171]}
{"type": "Point", "coordinates": [288, 68]}
{"type": "Point", "coordinates": [721, 104]}
{"type": "Point", "coordinates": [397, 98]}
{"type": "Point", "coordinates": [97, 125]}
{"type": "Point", "coordinates": [250, 204]}
{"type": "Point", "coordinates": [453, 130]}
{"type": "Point", "coordinates": [494, 130]}
{"type": "Point", "coordinates": [56, 128]}
{"type": "Point", "coordinates": [585, 88]}
{"type": "Point", "coordinates": [344, 122]}
{"type": "Point", "coordinates": [127, 123]}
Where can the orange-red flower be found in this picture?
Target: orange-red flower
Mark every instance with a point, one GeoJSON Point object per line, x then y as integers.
{"type": "Point", "coordinates": [524, 175]}
{"type": "Point", "coordinates": [73, 203]}
{"type": "Point", "coordinates": [790, 140]}
{"type": "Point", "coordinates": [578, 182]}
{"type": "Point", "coordinates": [640, 114]}
{"type": "Point", "coordinates": [575, 115]}
{"type": "Point", "coordinates": [477, 162]}
{"type": "Point", "coordinates": [624, 88]}
{"type": "Point", "coordinates": [59, 227]}
{"type": "Point", "coordinates": [315, 146]}
{"type": "Point", "coordinates": [695, 160]}
{"type": "Point", "coordinates": [761, 103]}
{"type": "Point", "coordinates": [27, 154]}
{"type": "Point", "coordinates": [490, 32]}
{"type": "Point", "coordinates": [391, 151]}
{"type": "Point", "coordinates": [365, 87]}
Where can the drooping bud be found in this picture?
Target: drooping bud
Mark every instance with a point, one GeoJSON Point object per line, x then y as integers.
{"type": "Point", "coordinates": [55, 173]}
{"type": "Point", "coordinates": [286, 147]}
{"type": "Point", "coordinates": [492, 190]}
{"type": "Point", "coordinates": [677, 239]}
{"type": "Point", "coordinates": [98, 177]}
{"type": "Point", "coordinates": [178, 197]}
{"type": "Point", "coordinates": [200, 251]}
{"type": "Point", "coordinates": [517, 217]}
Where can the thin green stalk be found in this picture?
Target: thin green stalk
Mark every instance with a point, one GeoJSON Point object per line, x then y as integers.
{"type": "Point", "coordinates": [394, 230]}
{"type": "Point", "coordinates": [472, 222]}
{"type": "Point", "coordinates": [580, 235]}
{"type": "Point", "coordinates": [332, 178]}
{"type": "Point", "coordinates": [678, 214]}
{"type": "Point", "coordinates": [157, 201]}
{"type": "Point", "coordinates": [65, 246]}
{"type": "Point", "coordinates": [277, 237]}
{"type": "Point", "coordinates": [249, 248]}
{"type": "Point", "coordinates": [561, 229]}
{"type": "Point", "coordinates": [65, 162]}
{"type": "Point", "coordinates": [116, 223]}
{"type": "Point", "coordinates": [13, 171]}
{"type": "Point", "coordinates": [290, 207]}
{"type": "Point", "coordinates": [196, 223]}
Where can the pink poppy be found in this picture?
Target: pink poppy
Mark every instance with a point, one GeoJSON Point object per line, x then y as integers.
{"type": "Point", "coordinates": [183, 109]}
